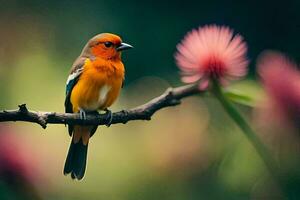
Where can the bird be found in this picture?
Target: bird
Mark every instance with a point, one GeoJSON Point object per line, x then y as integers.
{"type": "Point", "coordinates": [94, 83]}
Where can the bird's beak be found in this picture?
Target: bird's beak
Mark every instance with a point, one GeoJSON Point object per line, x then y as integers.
{"type": "Point", "coordinates": [124, 46]}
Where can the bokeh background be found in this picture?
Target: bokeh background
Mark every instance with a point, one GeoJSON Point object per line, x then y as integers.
{"type": "Point", "coordinates": [193, 151]}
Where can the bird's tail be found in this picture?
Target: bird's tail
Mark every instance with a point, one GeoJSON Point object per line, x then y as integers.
{"type": "Point", "coordinates": [77, 154]}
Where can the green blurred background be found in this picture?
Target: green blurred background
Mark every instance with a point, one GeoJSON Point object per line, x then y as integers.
{"type": "Point", "coordinates": [192, 151]}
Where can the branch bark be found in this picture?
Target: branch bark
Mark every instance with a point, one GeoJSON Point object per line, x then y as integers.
{"type": "Point", "coordinates": [171, 97]}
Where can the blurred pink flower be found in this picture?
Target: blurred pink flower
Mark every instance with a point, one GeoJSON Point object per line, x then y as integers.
{"type": "Point", "coordinates": [18, 168]}
{"type": "Point", "coordinates": [277, 116]}
{"type": "Point", "coordinates": [281, 80]}
{"type": "Point", "coordinates": [211, 52]}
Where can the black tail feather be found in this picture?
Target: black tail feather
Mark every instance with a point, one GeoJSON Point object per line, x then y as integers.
{"type": "Point", "coordinates": [76, 160]}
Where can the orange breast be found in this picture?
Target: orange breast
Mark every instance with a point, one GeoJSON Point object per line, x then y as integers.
{"type": "Point", "coordinates": [99, 85]}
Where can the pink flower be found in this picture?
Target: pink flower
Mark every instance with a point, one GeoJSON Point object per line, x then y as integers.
{"type": "Point", "coordinates": [281, 80]}
{"type": "Point", "coordinates": [19, 170]}
{"type": "Point", "coordinates": [211, 52]}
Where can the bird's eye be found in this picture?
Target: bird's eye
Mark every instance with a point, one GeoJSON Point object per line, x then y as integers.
{"type": "Point", "coordinates": [108, 44]}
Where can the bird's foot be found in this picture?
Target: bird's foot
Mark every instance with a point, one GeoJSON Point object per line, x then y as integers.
{"type": "Point", "coordinates": [109, 117]}
{"type": "Point", "coordinates": [82, 114]}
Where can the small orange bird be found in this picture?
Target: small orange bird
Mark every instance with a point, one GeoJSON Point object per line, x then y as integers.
{"type": "Point", "coordinates": [94, 83]}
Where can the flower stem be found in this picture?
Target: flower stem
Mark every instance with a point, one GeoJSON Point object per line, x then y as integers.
{"type": "Point", "coordinates": [261, 149]}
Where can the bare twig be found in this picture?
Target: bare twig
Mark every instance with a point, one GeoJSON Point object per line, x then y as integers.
{"type": "Point", "coordinates": [171, 97]}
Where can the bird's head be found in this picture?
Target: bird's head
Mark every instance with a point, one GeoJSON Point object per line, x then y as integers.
{"type": "Point", "coordinates": [106, 46]}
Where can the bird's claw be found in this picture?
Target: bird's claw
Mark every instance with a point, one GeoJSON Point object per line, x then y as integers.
{"type": "Point", "coordinates": [109, 117]}
{"type": "Point", "coordinates": [82, 114]}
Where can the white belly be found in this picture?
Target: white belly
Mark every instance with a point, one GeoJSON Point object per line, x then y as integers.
{"type": "Point", "coordinates": [102, 96]}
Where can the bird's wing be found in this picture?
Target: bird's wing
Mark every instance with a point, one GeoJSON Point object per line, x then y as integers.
{"type": "Point", "coordinates": [75, 73]}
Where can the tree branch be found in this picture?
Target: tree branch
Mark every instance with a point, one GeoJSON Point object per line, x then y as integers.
{"type": "Point", "coordinates": [171, 97]}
